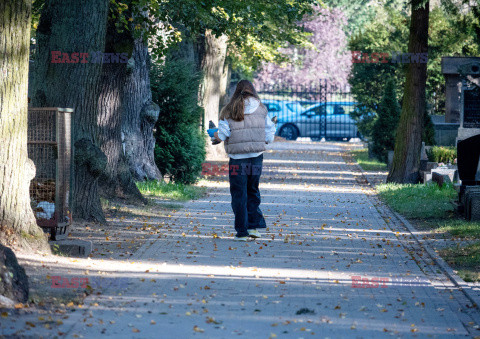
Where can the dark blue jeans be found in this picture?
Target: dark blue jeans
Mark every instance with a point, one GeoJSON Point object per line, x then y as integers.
{"type": "Point", "coordinates": [244, 176]}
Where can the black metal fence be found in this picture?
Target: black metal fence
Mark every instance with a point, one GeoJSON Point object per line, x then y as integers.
{"type": "Point", "coordinates": [317, 111]}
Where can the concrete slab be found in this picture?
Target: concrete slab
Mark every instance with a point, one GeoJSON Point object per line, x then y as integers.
{"type": "Point", "coordinates": [72, 247]}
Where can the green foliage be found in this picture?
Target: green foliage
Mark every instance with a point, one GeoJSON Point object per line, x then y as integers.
{"type": "Point", "coordinates": [419, 201]}
{"type": "Point", "coordinates": [256, 28]}
{"type": "Point", "coordinates": [442, 154]}
{"type": "Point", "coordinates": [37, 6]}
{"type": "Point", "coordinates": [180, 153]}
{"type": "Point", "coordinates": [173, 191]}
{"type": "Point", "coordinates": [367, 164]}
{"type": "Point", "coordinates": [368, 80]}
{"type": "Point", "coordinates": [450, 33]}
{"type": "Point", "coordinates": [428, 133]}
{"type": "Point", "coordinates": [461, 228]}
{"type": "Point", "coordinates": [180, 145]}
{"type": "Point", "coordinates": [383, 135]}
{"type": "Point", "coordinates": [269, 27]}
{"type": "Point", "coordinates": [358, 12]}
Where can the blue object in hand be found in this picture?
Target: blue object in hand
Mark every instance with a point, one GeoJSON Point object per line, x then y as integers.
{"type": "Point", "coordinates": [211, 131]}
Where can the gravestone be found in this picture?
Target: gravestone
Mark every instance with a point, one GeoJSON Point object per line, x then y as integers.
{"type": "Point", "coordinates": [468, 159]}
{"type": "Point", "coordinates": [469, 112]}
{"type": "Point", "coordinates": [472, 203]}
{"type": "Point", "coordinates": [469, 100]}
{"type": "Point", "coordinates": [462, 105]}
{"type": "Point", "coordinates": [468, 153]}
{"type": "Point", "coordinates": [454, 69]}
{"type": "Point", "coordinates": [471, 108]}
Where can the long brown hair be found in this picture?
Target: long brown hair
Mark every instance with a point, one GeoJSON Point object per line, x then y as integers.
{"type": "Point", "coordinates": [236, 107]}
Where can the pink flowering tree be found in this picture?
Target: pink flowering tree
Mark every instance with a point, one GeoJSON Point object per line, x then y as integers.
{"type": "Point", "coordinates": [327, 58]}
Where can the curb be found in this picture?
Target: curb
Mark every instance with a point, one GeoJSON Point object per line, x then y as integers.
{"type": "Point", "coordinates": [444, 267]}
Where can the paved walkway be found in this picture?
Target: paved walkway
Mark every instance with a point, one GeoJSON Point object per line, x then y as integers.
{"type": "Point", "coordinates": [332, 264]}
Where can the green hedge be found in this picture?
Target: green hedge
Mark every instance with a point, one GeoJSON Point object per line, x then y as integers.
{"type": "Point", "coordinates": [385, 127]}
{"type": "Point", "coordinates": [180, 146]}
{"type": "Point", "coordinates": [442, 154]}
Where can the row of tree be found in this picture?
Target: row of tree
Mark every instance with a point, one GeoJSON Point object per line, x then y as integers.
{"type": "Point", "coordinates": [448, 28]}
{"type": "Point", "coordinates": [114, 111]}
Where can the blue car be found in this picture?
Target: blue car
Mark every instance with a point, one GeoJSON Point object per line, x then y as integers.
{"type": "Point", "coordinates": [330, 120]}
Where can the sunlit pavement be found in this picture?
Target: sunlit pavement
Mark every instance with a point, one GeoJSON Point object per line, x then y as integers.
{"type": "Point", "coordinates": [333, 263]}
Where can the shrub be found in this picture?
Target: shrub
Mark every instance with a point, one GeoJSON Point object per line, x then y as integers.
{"type": "Point", "coordinates": [428, 133]}
{"type": "Point", "coordinates": [180, 146]}
{"type": "Point", "coordinates": [442, 154]}
{"type": "Point", "coordinates": [383, 135]}
{"type": "Point", "coordinates": [180, 154]}
{"type": "Point", "coordinates": [365, 118]}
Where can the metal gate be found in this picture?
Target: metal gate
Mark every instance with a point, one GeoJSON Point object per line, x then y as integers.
{"type": "Point", "coordinates": [316, 112]}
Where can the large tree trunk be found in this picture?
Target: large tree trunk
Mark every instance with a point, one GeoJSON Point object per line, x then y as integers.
{"type": "Point", "coordinates": [208, 53]}
{"type": "Point", "coordinates": [117, 180]}
{"type": "Point", "coordinates": [212, 57]}
{"type": "Point", "coordinates": [16, 169]}
{"type": "Point", "coordinates": [75, 85]}
{"type": "Point", "coordinates": [408, 143]}
{"type": "Point", "coordinates": [225, 85]}
{"type": "Point", "coordinates": [140, 116]}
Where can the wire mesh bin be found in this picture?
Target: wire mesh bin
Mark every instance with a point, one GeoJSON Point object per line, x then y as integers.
{"type": "Point", "coordinates": [50, 148]}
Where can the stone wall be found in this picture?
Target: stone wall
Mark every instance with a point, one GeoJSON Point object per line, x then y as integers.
{"type": "Point", "coordinates": [446, 134]}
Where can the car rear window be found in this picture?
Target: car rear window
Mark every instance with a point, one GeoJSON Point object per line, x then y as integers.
{"type": "Point", "coordinates": [272, 107]}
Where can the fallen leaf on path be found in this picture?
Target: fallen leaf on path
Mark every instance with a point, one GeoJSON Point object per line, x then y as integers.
{"type": "Point", "coordinates": [198, 329]}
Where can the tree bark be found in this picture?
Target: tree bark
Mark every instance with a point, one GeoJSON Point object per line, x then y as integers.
{"type": "Point", "coordinates": [75, 85]}
{"type": "Point", "coordinates": [208, 54]}
{"type": "Point", "coordinates": [408, 143]}
{"type": "Point", "coordinates": [190, 48]}
{"type": "Point", "coordinates": [117, 180]}
{"type": "Point", "coordinates": [16, 169]}
{"type": "Point", "coordinates": [212, 58]}
{"type": "Point", "coordinates": [140, 116]}
{"type": "Point", "coordinates": [225, 85]}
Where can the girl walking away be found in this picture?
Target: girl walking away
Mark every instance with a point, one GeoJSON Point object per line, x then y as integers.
{"type": "Point", "coordinates": [245, 129]}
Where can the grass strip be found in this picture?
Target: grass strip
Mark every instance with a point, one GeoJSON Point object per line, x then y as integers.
{"type": "Point", "coordinates": [171, 191]}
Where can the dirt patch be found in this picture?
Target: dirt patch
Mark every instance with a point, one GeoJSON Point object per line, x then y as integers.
{"type": "Point", "coordinates": [128, 228]}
